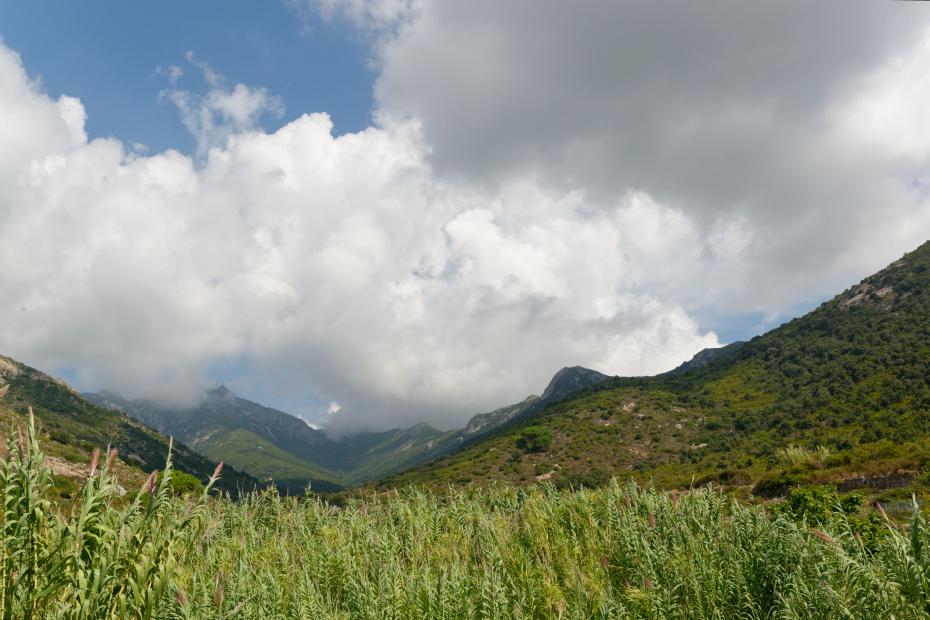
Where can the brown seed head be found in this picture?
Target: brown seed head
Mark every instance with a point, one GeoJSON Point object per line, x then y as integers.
{"type": "Point", "coordinates": [823, 536]}
{"type": "Point", "coordinates": [94, 457]}
{"type": "Point", "coordinates": [149, 485]}
{"type": "Point", "coordinates": [218, 593]}
{"type": "Point", "coordinates": [882, 512]}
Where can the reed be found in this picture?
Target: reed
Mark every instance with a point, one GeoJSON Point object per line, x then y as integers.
{"type": "Point", "coordinates": [617, 552]}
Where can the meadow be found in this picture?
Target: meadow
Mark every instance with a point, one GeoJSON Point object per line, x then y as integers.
{"type": "Point", "coordinates": [620, 551]}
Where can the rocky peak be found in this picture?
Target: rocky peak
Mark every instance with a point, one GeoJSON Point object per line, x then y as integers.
{"type": "Point", "coordinates": [571, 379]}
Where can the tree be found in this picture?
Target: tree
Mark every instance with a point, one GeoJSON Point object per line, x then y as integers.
{"type": "Point", "coordinates": [534, 439]}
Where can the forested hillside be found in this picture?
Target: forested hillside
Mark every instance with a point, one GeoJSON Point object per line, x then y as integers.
{"type": "Point", "coordinates": [71, 427]}
{"type": "Point", "coordinates": [838, 394]}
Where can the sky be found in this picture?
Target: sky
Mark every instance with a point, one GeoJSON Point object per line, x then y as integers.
{"type": "Point", "coordinates": [376, 212]}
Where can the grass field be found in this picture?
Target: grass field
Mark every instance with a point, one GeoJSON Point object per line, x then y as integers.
{"type": "Point", "coordinates": [504, 552]}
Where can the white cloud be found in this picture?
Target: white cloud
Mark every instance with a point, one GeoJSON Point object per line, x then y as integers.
{"type": "Point", "coordinates": [518, 208]}
{"type": "Point", "coordinates": [377, 17]}
{"type": "Point", "coordinates": [214, 117]}
{"type": "Point", "coordinates": [172, 73]}
{"type": "Point", "coordinates": [804, 123]}
{"type": "Point", "coordinates": [335, 264]}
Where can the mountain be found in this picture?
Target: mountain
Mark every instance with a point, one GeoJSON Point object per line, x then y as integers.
{"type": "Point", "coordinates": [483, 423]}
{"type": "Point", "coordinates": [840, 395]}
{"type": "Point", "coordinates": [568, 381]}
{"type": "Point", "coordinates": [72, 427]}
{"type": "Point", "coordinates": [705, 357]}
{"type": "Point", "coordinates": [267, 443]}
{"type": "Point", "coordinates": [274, 445]}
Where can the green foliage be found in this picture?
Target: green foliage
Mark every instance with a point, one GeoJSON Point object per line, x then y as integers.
{"type": "Point", "coordinates": [840, 393]}
{"type": "Point", "coordinates": [103, 561]}
{"type": "Point", "coordinates": [534, 439]}
{"type": "Point", "coordinates": [816, 505]}
{"type": "Point", "coordinates": [799, 456]}
{"type": "Point", "coordinates": [821, 505]}
{"type": "Point", "coordinates": [183, 484]}
{"type": "Point", "coordinates": [591, 479]}
{"type": "Point", "coordinates": [617, 552]}
{"type": "Point", "coordinates": [78, 426]}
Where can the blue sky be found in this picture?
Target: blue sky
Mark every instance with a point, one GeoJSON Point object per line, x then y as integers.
{"type": "Point", "coordinates": [106, 52]}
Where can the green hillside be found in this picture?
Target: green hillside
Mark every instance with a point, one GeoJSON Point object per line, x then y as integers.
{"type": "Point", "coordinates": [274, 445]}
{"type": "Point", "coordinates": [262, 459]}
{"type": "Point", "coordinates": [72, 427]}
{"type": "Point", "coordinates": [841, 394]}
{"type": "Point", "coordinates": [266, 443]}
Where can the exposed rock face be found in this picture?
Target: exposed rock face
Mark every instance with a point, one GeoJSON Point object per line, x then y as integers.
{"type": "Point", "coordinates": [484, 422]}
{"type": "Point", "coordinates": [568, 381]}
{"type": "Point", "coordinates": [8, 368]}
{"type": "Point", "coordinates": [878, 296]}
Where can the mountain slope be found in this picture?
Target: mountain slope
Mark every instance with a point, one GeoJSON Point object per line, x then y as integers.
{"type": "Point", "coordinates": [851, 377]}
{"type": "Point", "coordinates": [72, 427]}
{"type": "Point", "coordinates": [274, 445]}
{"type": "Point", "coordinates": [267, 443]}
{"type": "Point", "coordinates": [705, 357]}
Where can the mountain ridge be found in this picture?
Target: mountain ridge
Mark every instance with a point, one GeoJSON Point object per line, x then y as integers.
{"type": "Point", "coordinates": [224, 425]}
{"type": "Point", "coordinates": [846, 386]}
{"type": "Point", "coordinates": [72, 427]}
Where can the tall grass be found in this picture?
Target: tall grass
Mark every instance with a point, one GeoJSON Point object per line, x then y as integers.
{"type": "Point", "coordinates": [800, 456]}
{"type": "Point", "coordinates": [617, 552]}
{"type": "Point", "coordinates": [106, 559]}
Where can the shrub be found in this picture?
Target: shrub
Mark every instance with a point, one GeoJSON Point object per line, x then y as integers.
{"type": "Point", "coordinates": [182, 483]}
{"type": "Point", "coordinates": [534, 439]}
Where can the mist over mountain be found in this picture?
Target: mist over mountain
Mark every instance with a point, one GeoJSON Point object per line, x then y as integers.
{"type": "Point", "coordinates": [275, 446]}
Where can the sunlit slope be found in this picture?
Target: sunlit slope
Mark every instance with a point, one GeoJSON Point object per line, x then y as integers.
{"type": "Point", "coordinates": [849, 382]}
{"type": "Point", "coordinates": [72, 427]}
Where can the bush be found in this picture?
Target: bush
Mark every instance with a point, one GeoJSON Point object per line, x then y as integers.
{"type": "Point", "coordinates": [182, 483]}
{"type": "Point", "coordinates": [534, 439]}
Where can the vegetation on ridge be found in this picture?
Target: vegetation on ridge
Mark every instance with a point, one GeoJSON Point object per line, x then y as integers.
{"type": "Point", "coordinates": [850, 379]}
{"type": "Point", "coordinates": [71, 427]}
{"type": "Point", "coordinates": [504, 552]}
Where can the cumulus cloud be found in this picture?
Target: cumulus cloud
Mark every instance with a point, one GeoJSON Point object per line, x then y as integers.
{"type": "Point", "coordinates": [338, 264]}
{"type": "Point", "coordinates": [804, 121]}
{"type": "Point", "coordinates": [215, 116]}
{"type": "Point", "coordinates": [547, 185]}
